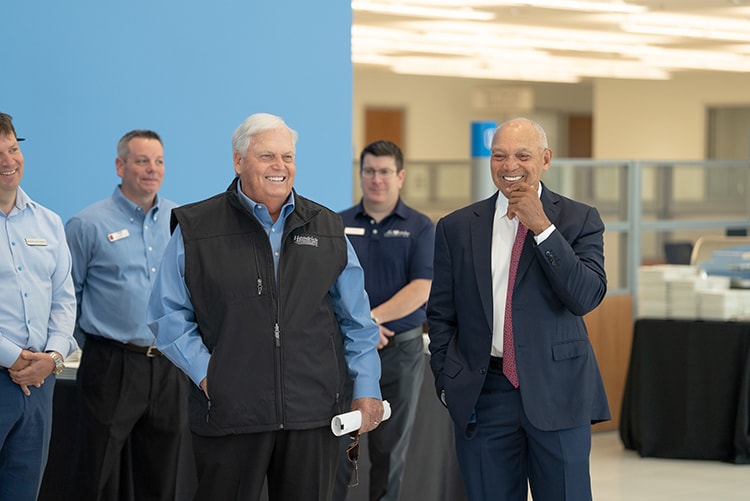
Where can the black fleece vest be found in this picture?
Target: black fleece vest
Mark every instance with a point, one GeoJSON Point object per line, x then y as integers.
{"type": "Point", "coordinates": [276, 348]}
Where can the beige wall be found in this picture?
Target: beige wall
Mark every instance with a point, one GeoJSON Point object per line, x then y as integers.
{"type": "Point", "coordinates": [632, 119]}
{"type": "Point", "coordinates": [661, 119]}
{"type": "Point", "coordinates": [439, 110]}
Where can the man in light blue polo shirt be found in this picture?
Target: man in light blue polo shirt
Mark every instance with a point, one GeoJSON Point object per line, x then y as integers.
{"type": "Point", "coordinates": [37, 314]}
{"type": "Point", "coordinates": [132, 400]}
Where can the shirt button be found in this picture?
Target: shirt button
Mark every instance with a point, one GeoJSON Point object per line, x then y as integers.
{"type": "Point", "coordinates": [150, 249]}
{"type": "Point", "coordinates": [153, 270]}
{"type": "Point", "coordinates": [375, 231]}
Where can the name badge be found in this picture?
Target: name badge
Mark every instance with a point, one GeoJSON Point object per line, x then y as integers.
{"type": "Point", "coordinates": [36, 242]}
{"type": "Point", "coordinates": [354, 231]}
{"type": "Point", "coordinates": [117, 235]}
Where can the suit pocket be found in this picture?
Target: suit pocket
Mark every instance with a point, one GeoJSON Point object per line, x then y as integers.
{"type": "Point", "coordinates": [451, 368]}
{"type": "Point", "coordinates": [570, 349]}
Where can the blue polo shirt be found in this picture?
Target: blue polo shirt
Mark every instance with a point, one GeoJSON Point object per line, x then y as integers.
{"type": "Point", "coordinates": [393, 252]}
{"type": "Point", "coordinates": [116, 248]}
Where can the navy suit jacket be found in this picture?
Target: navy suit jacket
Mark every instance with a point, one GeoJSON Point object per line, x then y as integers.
{"type": "Point", "coordinates": [557, 283]}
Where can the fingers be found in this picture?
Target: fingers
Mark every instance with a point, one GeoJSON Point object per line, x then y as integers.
{"type": "Point", "coordinates": [383, 341]}
{"type": "Point", "coordinates": [204, 387]}
{"type": "Point", "coordinates": [385, 333]}
{"type": "Point", "coordinates": [372, 413]}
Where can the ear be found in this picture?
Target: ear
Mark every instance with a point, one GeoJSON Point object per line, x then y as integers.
{"type": "Point", "coordinates": [237, 158]}
{"type": "Point", "coordinates": [547, 158]}
{"type": "Point", "coordinates": [119, 166]}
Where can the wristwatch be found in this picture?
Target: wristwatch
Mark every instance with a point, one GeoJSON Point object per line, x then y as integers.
{"type": "Point", "coordinates": [59, 363]}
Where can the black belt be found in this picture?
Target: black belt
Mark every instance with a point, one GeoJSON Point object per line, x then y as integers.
{"type": "Point", "coordinates": [405, 336]}
{"type": "Point", "coordinates": [496, 363]}
{"type": "Point", "coordinates": [149, 351]}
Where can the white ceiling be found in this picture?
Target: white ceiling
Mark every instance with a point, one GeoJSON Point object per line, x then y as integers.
{"type": "Point", "coordinates": [529, 41]}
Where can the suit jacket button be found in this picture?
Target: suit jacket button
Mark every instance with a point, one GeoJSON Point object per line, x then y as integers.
{"type": "Point", "coordinates": [482, 371]}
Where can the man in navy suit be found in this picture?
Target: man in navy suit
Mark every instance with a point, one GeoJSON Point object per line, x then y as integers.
{"type": "Point", "coordinates": [529, 425]}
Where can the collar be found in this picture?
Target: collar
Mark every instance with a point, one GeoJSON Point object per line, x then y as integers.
{"type": "Point", "coordinates": [399, 210]}
{"type": "Point", "coordinates": [130, 208]}
{"type": "Point", "coordinates": [250, 204]}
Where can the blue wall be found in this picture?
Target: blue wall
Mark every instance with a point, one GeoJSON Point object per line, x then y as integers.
{"type": "Point", "coordinates": [78, 74]}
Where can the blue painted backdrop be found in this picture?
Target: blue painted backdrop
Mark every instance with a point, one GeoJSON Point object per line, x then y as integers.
{"type": "Point", "coordinates": [78, 74]}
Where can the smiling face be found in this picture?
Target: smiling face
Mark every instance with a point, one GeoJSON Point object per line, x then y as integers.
{"type": "Point", "coordinates": [381, 180]}
{"type": "Point", "coordinates": [519, 153]}
{"type": "Point", "coordinates": [142, 171]}
{"type": "Point", "coordinates": [11, 167]}
{"type": "Point", "coordinates": [267, 169]}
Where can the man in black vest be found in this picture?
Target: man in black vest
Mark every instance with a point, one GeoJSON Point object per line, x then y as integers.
{"type": "Point", "coordinates": [260, 300]}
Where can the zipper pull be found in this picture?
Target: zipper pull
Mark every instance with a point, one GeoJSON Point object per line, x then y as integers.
{"type": "Point", "coordinates": [208, 412]}
{"type": "Point", "coordinates": [277, 335]}
{"type": "Point", "coordinates": [260, 286]}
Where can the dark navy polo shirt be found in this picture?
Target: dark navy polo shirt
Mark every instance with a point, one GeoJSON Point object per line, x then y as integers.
{"type": "Point", "coordinates": [393, 252]}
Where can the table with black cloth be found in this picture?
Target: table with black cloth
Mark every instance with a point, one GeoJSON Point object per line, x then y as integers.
{"type": "Point", "coordinates": [432, 472]}
{"type": "Point", "coordinates": [687, 393]}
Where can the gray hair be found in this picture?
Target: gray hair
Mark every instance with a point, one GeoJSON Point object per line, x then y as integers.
{"type": "Point", "coordinates": [539, 130]}
{"type": "Point", "coordinates": [123, 146]}
{"type": "Point", "coordinates": [255, 124]}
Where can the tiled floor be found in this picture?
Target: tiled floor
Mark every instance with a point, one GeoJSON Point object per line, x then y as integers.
{"type": "Point", "coordinates": [618, 474]}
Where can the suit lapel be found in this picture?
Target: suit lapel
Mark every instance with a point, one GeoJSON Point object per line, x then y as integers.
{"type": "Point", "coordinates": [481, 250]}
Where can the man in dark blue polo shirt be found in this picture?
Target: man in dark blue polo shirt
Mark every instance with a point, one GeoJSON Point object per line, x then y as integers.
{"type": "Point", "coordinates": [395, 245]}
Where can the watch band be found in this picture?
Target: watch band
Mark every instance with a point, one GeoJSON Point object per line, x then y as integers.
{"type": "Point", "coordinates": [59, 362]}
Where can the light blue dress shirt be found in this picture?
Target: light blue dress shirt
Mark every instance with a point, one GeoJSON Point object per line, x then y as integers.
{"type": "Point", "coordinates": [116, 248]}
{"type": "Point", "coordinates": [37, 302]}
{"type": "Point", "coordinates": [171, 315]}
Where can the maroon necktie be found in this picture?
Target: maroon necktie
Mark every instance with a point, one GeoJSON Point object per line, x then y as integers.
{"type": "Point", "coordinates": [509, 351]}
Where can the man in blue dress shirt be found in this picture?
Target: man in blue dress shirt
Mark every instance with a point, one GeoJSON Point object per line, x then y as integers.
{"type": "Point", "coordinates": [395, 245]}
{"type": "Point", "coordinates": [132, 399]}
{"type": "Point", "coordinates": [37, 314]}
{"type": "Point", "coordinates": [260, 300]}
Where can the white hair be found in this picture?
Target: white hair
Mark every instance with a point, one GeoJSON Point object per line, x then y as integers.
{"type": "Point", "coordinates": [255, 124]}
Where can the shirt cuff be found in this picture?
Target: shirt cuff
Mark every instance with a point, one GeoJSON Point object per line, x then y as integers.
{"type": "Point", "coordinates": [543, 235]}
{"type": "Point", "coordinates": [9, 353]}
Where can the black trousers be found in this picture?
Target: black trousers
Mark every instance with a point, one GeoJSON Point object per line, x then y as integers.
{"type": "Point", "coordinates": [132, 410]}
{"type": "Point", "coordinates": [299, 465]}
{"type": "Point", "coordinates": [402, 373]}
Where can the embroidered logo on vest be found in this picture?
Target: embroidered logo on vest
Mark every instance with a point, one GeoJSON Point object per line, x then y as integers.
{"type": "Point", "coordinates": [306, 240]}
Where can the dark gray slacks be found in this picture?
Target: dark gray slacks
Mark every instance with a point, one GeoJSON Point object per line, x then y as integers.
{"type": "Point", "coordinates": [402, 373]}
{"type": "Point", "coordinates": [132, 424]}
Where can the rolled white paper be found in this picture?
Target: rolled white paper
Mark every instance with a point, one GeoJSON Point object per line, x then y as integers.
{"type": "Point", "coordinates": [352, 421]}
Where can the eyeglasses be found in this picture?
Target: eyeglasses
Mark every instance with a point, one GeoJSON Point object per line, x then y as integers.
{"type": "Point", "coordinates": [352, 454]}
{"type": "Point", "coordinates": [369, 172]}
